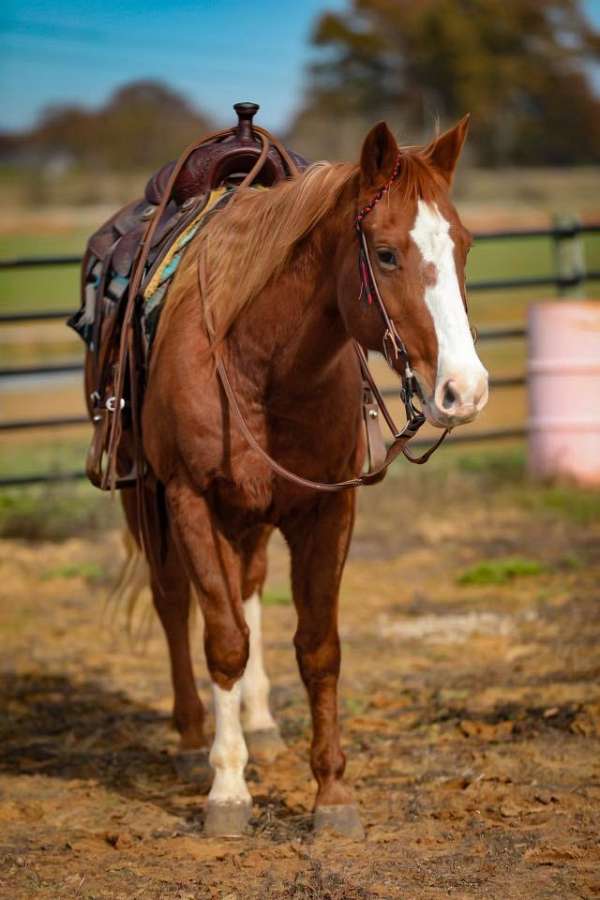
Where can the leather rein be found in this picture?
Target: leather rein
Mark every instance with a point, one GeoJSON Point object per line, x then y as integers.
{"type": "Point", "coordinates": [395, 353]}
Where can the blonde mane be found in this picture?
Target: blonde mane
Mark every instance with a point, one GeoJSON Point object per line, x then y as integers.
{"type": "Point", "coordinates": [249, 242]}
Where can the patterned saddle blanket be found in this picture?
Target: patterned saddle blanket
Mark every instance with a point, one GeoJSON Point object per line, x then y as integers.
{"type": "Point", "coordinates": [107, 275]}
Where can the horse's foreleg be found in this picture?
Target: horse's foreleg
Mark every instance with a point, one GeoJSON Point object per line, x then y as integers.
{"type": "Point", "coordinates": [319, 545]}
{"type": "Point", "coordinates": [215, 571]}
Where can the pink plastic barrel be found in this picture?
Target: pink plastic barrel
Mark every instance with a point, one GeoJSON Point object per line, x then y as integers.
{"type": "Point", "coordinates": [564, 390]}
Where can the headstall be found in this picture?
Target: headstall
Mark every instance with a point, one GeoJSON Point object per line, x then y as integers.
{"type": "Point", "coordinates": [393, 347]}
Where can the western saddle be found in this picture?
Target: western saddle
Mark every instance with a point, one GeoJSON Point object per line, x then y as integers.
{"type": "Point", "coordinates": [115, 319]}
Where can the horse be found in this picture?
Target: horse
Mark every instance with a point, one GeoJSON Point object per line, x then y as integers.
{"type": "Point", "coordinates": [271, 289]}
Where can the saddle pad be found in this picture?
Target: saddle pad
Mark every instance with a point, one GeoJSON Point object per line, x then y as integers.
{"type": "Point", "coordinates": [106, 288]}
{"type": "Point", "coordinates": [155, 292]}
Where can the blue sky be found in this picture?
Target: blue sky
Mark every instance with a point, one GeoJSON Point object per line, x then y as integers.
{"type": "Point", "coordinates": [215, 51]}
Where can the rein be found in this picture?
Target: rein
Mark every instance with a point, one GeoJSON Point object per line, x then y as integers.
{"type": "Point", "coordinates": [394, 351]}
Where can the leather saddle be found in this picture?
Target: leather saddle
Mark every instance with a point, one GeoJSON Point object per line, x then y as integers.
{"type": "Point", "coordinates": [124, 254]}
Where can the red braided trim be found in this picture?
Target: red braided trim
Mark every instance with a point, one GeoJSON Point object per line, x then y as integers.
{"type": "Point", "coordinates": [382, 190]}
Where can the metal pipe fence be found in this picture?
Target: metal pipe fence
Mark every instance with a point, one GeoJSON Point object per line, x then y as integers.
{"type": "Point", "coordinates": [570, 276]}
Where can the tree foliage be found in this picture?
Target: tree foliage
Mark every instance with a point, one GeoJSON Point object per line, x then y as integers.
{"type": "Point", "coordinates": [142, 125]}
{"type": "Point", "coordinates": [519, 66]}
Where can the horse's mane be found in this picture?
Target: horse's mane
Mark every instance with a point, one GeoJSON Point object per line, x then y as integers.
{"type": "Point", "coordinates": [252, 239]}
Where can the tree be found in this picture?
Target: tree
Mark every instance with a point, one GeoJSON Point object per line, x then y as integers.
{"type": "Point", "coordinates": [519, 66]}
{"type": "Point", "coordinates": [142, 125]}
{"type": "Point", "coordinates": [147, 123]}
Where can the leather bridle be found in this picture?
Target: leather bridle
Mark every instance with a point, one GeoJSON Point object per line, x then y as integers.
{"type": "Point", "coordinates": [394, 351]}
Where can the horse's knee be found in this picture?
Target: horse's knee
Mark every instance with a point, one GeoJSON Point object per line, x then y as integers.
{"type": "Point", "coordinates": [227, 653]}
{"type": "Point", "coordinates": [318, 659]}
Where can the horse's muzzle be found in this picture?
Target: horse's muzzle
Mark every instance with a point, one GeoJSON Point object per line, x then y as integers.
{"type": "Point", "coordinates": [457, 399]}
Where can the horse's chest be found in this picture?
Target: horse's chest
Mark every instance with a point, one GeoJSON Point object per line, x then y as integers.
{"type": "Point", "coordinates": [310, 445]}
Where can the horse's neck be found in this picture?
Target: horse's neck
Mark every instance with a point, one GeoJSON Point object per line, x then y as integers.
{"type": "Point", "coordinates": [293, 334]}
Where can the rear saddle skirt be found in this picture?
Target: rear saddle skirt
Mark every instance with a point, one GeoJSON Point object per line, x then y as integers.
{"type": "Point", "coordinates": [138, 251]}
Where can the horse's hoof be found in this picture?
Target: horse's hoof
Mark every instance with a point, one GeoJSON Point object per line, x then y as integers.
{"type": "Point", "coordinates": [193, 766]}
{"type": "Point", "coordinates": [342, 819]}
{"type": "Point", "coordinates": [226, 819]}
{"type": "Point", "coordinates": [264, 746]}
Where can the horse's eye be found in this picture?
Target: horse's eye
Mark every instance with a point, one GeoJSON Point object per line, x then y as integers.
{"type": "Point", "coordinates": [387, 258]}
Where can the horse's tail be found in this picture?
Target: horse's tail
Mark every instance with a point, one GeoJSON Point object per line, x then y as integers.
{"type": "Point", "coordinates": [132, 581]}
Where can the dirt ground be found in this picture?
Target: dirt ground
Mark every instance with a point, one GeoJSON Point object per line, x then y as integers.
{"type": "Point", "coordinates": [471, 722]}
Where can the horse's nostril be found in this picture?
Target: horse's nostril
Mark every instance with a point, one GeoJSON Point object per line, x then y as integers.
{"type": "Point", "coordinates": [450, 396]}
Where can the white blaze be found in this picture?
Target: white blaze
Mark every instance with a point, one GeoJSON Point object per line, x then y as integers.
{"type": "Point", "coordinates": [456, 351]}
{"type": "Point", "coordinates": [255, 684]}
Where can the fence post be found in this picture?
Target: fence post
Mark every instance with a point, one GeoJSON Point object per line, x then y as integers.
{"type": "Point", "coordinates": [569, 256]}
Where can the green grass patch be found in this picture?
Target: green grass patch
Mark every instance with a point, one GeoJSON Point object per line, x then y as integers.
{"type": "Point", "coordinates": [89, 571]}
{"type": "Point", "coordinates": [55, 287]}
{"type": "Point", "coordinates": [276, 597]}
{"type": "Point", "coordinates": [56, 512]}
{"type": "Point", "coordinates": [495, 462]}
{"type": "Point", "coordinates": [573, 503]}
{"type": "Point", "coordinates": [44, 453]}
{"type": "Point", "coordinates": [500, 571]}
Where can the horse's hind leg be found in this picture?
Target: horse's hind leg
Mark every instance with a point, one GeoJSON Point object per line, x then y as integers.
{"type": "Point", "coordinates": [319, 543]}
{"type": "Point", "coordinates": [171, 595]}
{"type": "Point", "coordinates": [262, 734]}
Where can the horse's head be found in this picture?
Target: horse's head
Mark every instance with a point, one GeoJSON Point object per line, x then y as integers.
{"type": "Point", "coordinates": [417, 248]}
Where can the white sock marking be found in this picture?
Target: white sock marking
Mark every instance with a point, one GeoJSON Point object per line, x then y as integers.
{"type": "Point", "coordinates": [255, 683]}
{"type": "Point", "coordinates": [228, 755]}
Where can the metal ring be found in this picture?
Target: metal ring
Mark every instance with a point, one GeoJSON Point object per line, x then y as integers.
{"type": "Point", "coordinates": [111, 404]}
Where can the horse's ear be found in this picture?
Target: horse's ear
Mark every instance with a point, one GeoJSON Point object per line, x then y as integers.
{"type": "Point", "coordinates": [443, 153]}
{"type": "Point", "coordinates": [378, 156]}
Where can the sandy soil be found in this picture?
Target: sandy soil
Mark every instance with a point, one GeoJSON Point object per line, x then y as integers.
{"type": "Point", "coordinates": [471, 720]}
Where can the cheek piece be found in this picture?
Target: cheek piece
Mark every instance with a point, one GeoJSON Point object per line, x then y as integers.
{"type": "Point", "coordinates": [393, 346]}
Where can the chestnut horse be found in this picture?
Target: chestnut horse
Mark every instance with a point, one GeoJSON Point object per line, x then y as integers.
{"type": "Point", "coordinates": [271, 287]}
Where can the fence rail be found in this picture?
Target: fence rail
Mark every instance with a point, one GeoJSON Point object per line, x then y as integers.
{"type": "Point", "coordinates": [570, 275]}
